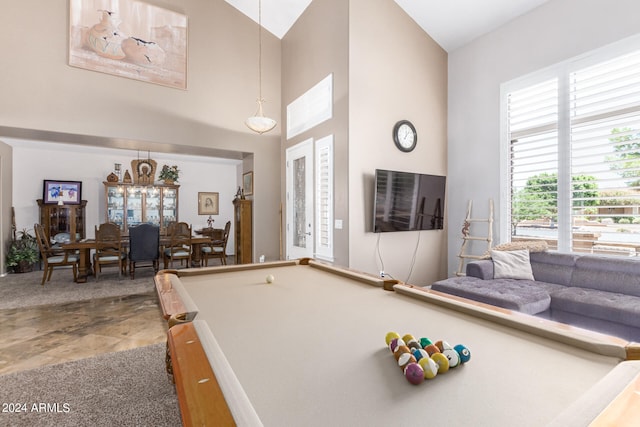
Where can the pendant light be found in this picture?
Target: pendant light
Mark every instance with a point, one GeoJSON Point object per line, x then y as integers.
{"type": "Point", "coordinates": [258, 122]}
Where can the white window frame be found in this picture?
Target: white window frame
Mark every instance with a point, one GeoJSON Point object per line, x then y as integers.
{"type": "Point", "coordinates": [561, 71]}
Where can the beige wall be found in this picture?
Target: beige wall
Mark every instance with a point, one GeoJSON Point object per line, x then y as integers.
{"type": "Point", "coordinates": [379, 57]}
{"type": "Point", "coordinates": [42, 93]}
{"type": "Point", "coordinates": [396, 71]}
{"type": "Point", "coordinates": [315, 47]}
{"type": "Point", "coordinates": [378, 80]}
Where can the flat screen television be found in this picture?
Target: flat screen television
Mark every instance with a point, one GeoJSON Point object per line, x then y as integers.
{"type": "Point", "coordinates": [406, 201]}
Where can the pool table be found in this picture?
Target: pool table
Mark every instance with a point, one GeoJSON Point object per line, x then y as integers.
{"type": "Point", "coordinates": [309, 349]}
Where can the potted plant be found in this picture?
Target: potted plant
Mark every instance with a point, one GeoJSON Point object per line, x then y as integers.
{"type": "Point", "coordinates": [169, 174]}
{"type": "Point", "coordinates": [23, 253]}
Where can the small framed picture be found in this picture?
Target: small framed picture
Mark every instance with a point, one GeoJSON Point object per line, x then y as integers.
{"type": "Point", "coordinates": [62, 192]}
{"type": "Point", "coordinates": [247, 183]}
{"type": "Point", "coordinates": [208, 203]}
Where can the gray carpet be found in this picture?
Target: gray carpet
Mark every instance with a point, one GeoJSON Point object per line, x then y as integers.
{"type": "Point", "coordinates": [24, 290]}
{"type": "Point", "coordinates": [127, 388]}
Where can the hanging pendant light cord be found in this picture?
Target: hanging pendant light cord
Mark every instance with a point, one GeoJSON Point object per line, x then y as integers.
{"type": "Point", "coordinates": [259, 123]}
{"type": "Point", "coordinates": [260, 51]}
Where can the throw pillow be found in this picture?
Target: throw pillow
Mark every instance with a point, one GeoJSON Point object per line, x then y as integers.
{"type": "Point", "coordinates": [512, 265]}
{"type": "Point", "coordinates": [531, 245]}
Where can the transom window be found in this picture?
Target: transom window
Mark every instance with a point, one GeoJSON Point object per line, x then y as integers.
{"type": "Point", "coordinates": [572, 150]}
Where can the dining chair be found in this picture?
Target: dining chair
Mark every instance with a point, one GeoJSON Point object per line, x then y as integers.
{"type": "Point", "coordinates": [144, 247]}
{"type": "Point", "coordinates": [54, 257]}
{"type": "Point", "coordinates": [109, 249]}
{"type": "Point", "coordinates": [217, 248]}
{"type": "Point", "coordinates": [179, 247]}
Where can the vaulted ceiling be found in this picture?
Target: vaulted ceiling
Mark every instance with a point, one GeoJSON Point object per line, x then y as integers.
{"type": "Point", "coordinates": [451, 23]}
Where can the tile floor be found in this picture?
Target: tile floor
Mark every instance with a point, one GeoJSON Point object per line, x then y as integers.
{"type": "Point", "coordinates": [47, 335]}
{"type": "Point", "coordinates": [53, 334]}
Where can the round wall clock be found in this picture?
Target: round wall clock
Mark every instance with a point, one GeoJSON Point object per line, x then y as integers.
{"type": "Point", "coordinates": [405, 136]}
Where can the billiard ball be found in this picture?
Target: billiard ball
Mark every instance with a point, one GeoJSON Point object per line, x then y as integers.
{"type": "Point", "coordinates": [443, 345]}
{"type": "Point", "coordinates": [442, 361]}
{"type": "Point", "coordinates": [429, 366]}
{"type": "Point", "coordinates": [408, 338]}
{"type": "Point", "coordinates": [419, 353]}
{"type": "Point", "coordinates": [270, 278]}
{"type": "Point", "coordinates": [404, 359]}
{"type": "Point", "coordinates": [390, 336]}
{"type": "Point", "coordinates": [425, 342]}
{"type": "Point", "coordinates": [395, 343]}
{"type": "Point", "coordinates": [465, 354]}
{"type": "Point", "coordinates": [400, 350]}
{"type": "Point", "coordinates": [431, 349]}
{"type": "Point", "coordinates": [414, 373]}
{"type": "Point", "coordinates": [453, 356]}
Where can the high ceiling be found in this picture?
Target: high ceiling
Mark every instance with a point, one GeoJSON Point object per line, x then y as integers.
{"type": "Point", "coordinates": [451, 23]}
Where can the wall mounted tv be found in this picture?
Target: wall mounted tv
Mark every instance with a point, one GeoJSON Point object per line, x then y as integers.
{"type": "Point", "coordinates": [407, 201]}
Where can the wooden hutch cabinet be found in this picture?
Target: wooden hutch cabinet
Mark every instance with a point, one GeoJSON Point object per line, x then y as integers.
{"type": "Point", "coordinates": [130, 204]}
{"type": "Point", "coordinates": [243, 231]}
{"type": "Point", "coordinates": [57, 219]}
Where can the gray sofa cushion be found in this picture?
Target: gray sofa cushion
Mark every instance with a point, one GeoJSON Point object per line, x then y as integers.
{"type": "Point", "coordinates": [604, 305]}
{"type": "Point", "coordinates": [553, 267]}
{"type": "Point", "coordinates": [525, 296]}
{"type": "Point", "coordinates": [618, 275]}
{"type": "Point", "coordinates": [482, 269]}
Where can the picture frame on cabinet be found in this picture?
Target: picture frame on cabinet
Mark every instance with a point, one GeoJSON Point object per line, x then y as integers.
{"type": "Point", "coordinates": [61, 192]}
{"type": "Point", "coordinates": [208, 203]}
{"type": "Point", "coordinates": [129, 38]}
{"type": "Point", "coordinates": [247, 183]}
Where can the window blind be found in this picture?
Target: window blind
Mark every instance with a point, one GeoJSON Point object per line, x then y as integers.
{"type": "Point", "coordinates": [574, 157]}
{"type": "Point", "coordinates": [533, 135]}
{"type": "Point", "coordinates": [324, 198]}
{"type": "Point", "coordinates": [605, 154]}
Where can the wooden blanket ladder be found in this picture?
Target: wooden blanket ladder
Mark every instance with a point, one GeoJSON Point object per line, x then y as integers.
{"type": "Point", "coordinates": [466, 237]}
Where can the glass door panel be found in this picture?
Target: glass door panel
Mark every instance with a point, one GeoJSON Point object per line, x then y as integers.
{"type": "Point", "coordinates": [169, 206]}
{"type": "Point", "coordinates": [152, 206]}
{"type": "Point", "coordinates": [115, 206]}
{"type": "Point", "coordinates": [134, 206]}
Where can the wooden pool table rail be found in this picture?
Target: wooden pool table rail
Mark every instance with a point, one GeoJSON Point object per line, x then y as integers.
{"type": "Point", "coordinates": [591, 341]}
{"type": "Point", "coordinates": [202, 402]}
{"type": "Point", "coordinates": [624, 411]}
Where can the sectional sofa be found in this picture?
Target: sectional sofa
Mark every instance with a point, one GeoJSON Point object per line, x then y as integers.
{"type": "Point", "coordinates": [594, 292]}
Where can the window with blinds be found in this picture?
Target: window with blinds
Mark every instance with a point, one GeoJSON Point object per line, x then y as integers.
{"type": "Point", "coordinates": [574, 157]}
{"type": "Point", "coordinates": [324, 198]}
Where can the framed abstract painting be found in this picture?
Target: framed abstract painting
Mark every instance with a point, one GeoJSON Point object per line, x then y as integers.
{"type": "Point", "coordinates": [129, 38]}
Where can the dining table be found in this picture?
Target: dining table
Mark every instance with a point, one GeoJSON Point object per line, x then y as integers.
{"type": "Point", "coordinates": [83, 248]}
{"type": "Point", "coordinates": [216, 234]}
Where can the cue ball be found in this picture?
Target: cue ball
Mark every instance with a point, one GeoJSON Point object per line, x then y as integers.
{"type": "Point", "coordinates": [270, 278]}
